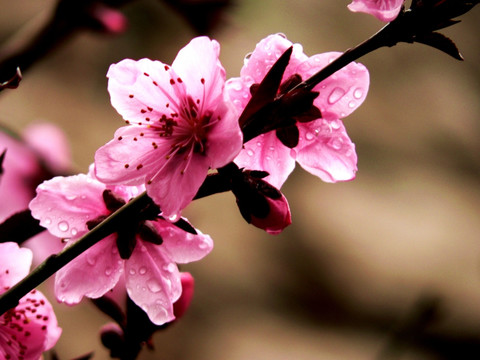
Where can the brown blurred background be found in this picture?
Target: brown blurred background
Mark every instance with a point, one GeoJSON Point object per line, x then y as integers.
{"type": "Point", "coordinates": [384, 267]}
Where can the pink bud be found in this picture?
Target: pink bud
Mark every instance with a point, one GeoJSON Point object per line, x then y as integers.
{"type": "Point", "coordinates": [111, 20]}
{"type": "Point", "coordinates": [278, 217]}
{"type": "Point", "coordinates": [182, 304]}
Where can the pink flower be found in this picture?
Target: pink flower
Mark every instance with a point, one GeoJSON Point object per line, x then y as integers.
{"type": "Point", "coordinates": [30, 328]}
{"type": "Point", "coordinates": [384, 10]}
{"type": "Point", "coordinates": [180, 125]}
{"type": "Point", "coordinates": [24, 164]}
{"type": "Point", "coordinates": [144, 252]}
{"type": "Point", "coordinates": [324, 148]}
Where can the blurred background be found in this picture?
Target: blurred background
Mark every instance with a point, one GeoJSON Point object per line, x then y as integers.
{"type": "Point", "coordinates": [383, 267]}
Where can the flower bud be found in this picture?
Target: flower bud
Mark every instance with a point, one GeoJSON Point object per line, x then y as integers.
{"type": "Point", "coordinates": [260, 203]}
{"type": "Point", "coordinates": [183, 303]}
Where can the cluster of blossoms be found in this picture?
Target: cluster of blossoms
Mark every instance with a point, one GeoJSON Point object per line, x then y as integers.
{"type": "Point", "coordinates": [182, 121]}
{"type": "Point", "coordinates": [182, 124]}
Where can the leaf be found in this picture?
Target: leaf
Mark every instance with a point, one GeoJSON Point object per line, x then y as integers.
{"type": "Point", "coordinates": [440, 42]}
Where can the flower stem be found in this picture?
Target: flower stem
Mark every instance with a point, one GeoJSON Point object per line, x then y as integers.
{"type": "Point", "coordinates": [53, 263]}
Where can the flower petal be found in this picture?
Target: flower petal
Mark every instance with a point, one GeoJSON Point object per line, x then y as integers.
{"type": "Point", "coordinates": [133, 155]}
{"type": "Point", "coordinates": [198, 66]}
{"type": "Point", "coordinates": [153, 281]}
{"type": "Point", "coordinates": [326, 150]}
{"type": "Point", "coordinates": [14, 264]}
{"type": "Point", "coordinates": [267, 153]}
{"type": "Point", "coordinates": [91, 274]}
{"type": "Point", "coordinates": [64, 204]}
{"type": "Point", "coordinates": [141, 90]}
{"type": "Point", "coordinates": [225, 137]}
{"type": "Point", "coordinates": [182, 246]}
{"type": "Point", "coordinates": [342, 92]}
{"type": "Point", "coordinates": [174, 187]}
{"type": "Point", "coordinates": [384, 10]}
{"type": "Point", "coordinates": [30, 329]}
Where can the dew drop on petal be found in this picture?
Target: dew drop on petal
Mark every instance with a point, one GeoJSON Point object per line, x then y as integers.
{"type": "Point", "coordinates": [132, 271]}
{"type": "Point", "coordinates": [142, 270]}
{"type": "Point", "coordinates": [169, 267]}
{"type": "Point", "coordinates": [250, 152]}
{"type": "Point", "coordinates": [335, 95]}
{"type": "Point", "coordinates": [74, 231]}
{"type": "Point", "coordinates": [309, 136]}
{"type": "Point", "coordinates": [91, 260]}
{"type": "Point", "coordinates": [248, 56]}
{"type": "Point", "coordinates": [63, 226]}
{"type": "Point", "coordinates": [173, 218]}
{"type": "Point", "coordinates": [108, 271]}
{"type": "Point", "coordinates": [47, 221]}
{"type": "Point", "coordinates": [71, 197]}
{"type": "Point", "coordinates": [351, 104]}
{"type": "Point", "coordinates": [203, 245]}
{"type": "Point", "coordinates": [357, 94]}
{"type": "Point", "coordinates": [153, 285]}
{"type": "Point", "coordinates": [335, 124]}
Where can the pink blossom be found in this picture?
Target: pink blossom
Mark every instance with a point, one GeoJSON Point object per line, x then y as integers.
{"type": "Point", "coordinates": [324, 148]}
{"type": "Point", "coordinates": [30, 328]}
{"type": "Point", "coordinates": [145, 253]}
{"type": "Point", "coordinates": [180, 125]}
{"type": "Point", "coordinates": [24, 164]}
{"type": "Point", "coordinates": [384, 10]}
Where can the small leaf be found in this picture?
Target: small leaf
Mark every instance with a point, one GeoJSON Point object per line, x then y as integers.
{"type": "Point", "coordinates": [440, 42]}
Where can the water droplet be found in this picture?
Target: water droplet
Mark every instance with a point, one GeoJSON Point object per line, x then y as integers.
{"type": "Point", "coordinates": [336, 95]}
{"type": "Point", "coordinates": [71, 197]}
{"type": "Point", "coordinates": [248, 56]}
{"type": "Point", "coordinates": [108, 271]}
{"type": "Point", "coordinates": [169, 267]}
{"type": "Point", "coordinates": [74, 231]}
{"type": "Point", "coordinates": [335, 124]}
{"type": "Point", "coordinates": [271, 148]}
{"type": "Point", "coordinates": [281, 35]}
{"type": "Point", "coordinates": [259, 144]}
{"type": "Point", "coordinates": [63, 226]}
{"type": "Point", "coordinates": [143, 270]}
{"type": "Point", "coordinates": [358, 93]}
{"type": "Point", "coordinates": [47, 221]}
{"type": "Point", "coordinates": [351, 104]}
{"type": "Point", "coordinates": [91, 260]}
{"type": "Point", "coordinates": [153, 285]}
{"type": "Point", "coordinates": [250, 152]}
{"type": "Point", "coordinates": [173, 217]}
{"type": "Point", "coordinates": [309, 136]}
{"type": "Point", "coordinates": [336, 143]}
{"type": "Point", "coordinates": [202, 245]}
{"type": "Point", "coordinates": [132, 271]}
{"type": "Point", "coordinates": [237, 85]}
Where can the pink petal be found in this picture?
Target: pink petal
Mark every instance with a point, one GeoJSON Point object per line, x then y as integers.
{"type": "Point", "coordinates": [141, 90]}
{"type": "Point", "coordinates": [153, 281]}
{"type": "Point", "coordinates": [225, 137]}
{"type": "Point", "coordinates": [199, 67]}
{"type": "Point", "coordinates": [91, 274]}
{"type": "Point", "coordinates": [342, 92]}
{"type": "Point", "coordinates": [326, 150]}
{"type": "Point", "coordinates": [384, 10]}
{"type": "Point", "coordinates": [133, 155]}
{"type": "Point", "coordinates": [266, 53]}
{"type": "Point", "coordinates": [174, 187]}
{"type": "Point", "coordinates": [22, 339]}
{"type": "Point", "coordinates": [267, 153]}
{"type": "Point", "coordinates": [183, 303]}
{"type": "Point", "coordinates": [14, 264]}
{"type": "Point", "coordinates": [51, 144]}
{"type": "Point", "coordinates": [64, 204]}
{"type": "Point", "coordinates": [183, 247]}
